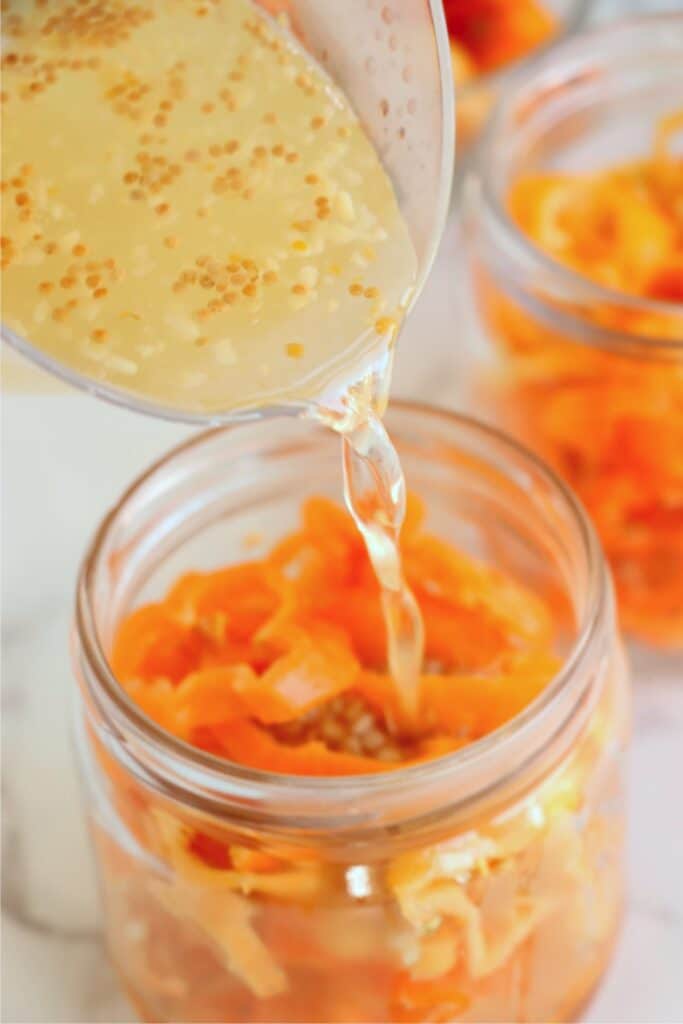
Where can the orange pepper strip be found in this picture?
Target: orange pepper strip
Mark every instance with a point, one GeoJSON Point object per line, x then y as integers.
{"type": "Point", "coordinates": [256, 862]}
{"type": "Point", "coordinates": [155, 698]}
{"type": "Point", "coordinates": [456, 637]}
{"type": "Point", "coordinates": [151, 645]}
{"type": "Point", "coordinates": [464, 68]}
{"type": "Point", "coordinates": [231, 654]}
{"type": "Point", "coordinates": [358, 612]}
{"type": "Point", "coordinates": [414, 518]}
{"type": "Point", "coordinates": [474, 705]}
{"type": "Point", "coordinates": [667, 283]}
{"type": "Point", "coordinates": [469, 705]}
{"type": "Point", "coordinates": [496, 32]}
{"type": "Point", "coordinates": [210, 697]}
{"type": "Point", "coordinates": [415, 1000]}
{"type": "Point", "coordinates": [210, 851]}
{"type": "Point", "coordinates": [445, 574]}
{"type": "Point", "coordinates": [181, 599]}
{"type": "Point", "coordinates": [308, 676]}
{"type": "Point", "coordinates": [330, 530]}
{"type": "Point", "coordinates": [247, 595]}
{"type": "Point", "coordinates": [471, 613]}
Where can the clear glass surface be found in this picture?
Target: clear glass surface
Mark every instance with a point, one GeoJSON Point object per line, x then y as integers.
{"type": "Point", "coordinates": [392, 61]}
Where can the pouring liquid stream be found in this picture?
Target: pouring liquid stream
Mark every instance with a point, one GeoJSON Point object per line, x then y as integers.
{"type": "Point", "coordinates": [194, 217]}
{"type": "Point", "coordinates": [374, 492]}
{"type": "Point", "coordinates": [375, 495]}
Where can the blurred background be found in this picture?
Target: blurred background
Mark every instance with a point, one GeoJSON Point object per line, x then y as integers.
{"type": "Point", "coordinates": [65, 459]}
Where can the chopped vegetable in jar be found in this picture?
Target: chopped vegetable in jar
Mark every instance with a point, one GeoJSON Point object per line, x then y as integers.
{"type": "Point", "coordinates": [608, 418]}
{"type": "Point", "coordinates": [489, 34]}
{"type": "Point", "coordinates": [280, 664]}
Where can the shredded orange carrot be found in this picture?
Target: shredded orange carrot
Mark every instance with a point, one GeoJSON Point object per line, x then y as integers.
{"type": "Point", "coordinates": [611, 423]}
{"type": "Point", "coordinates": [280, 664]}
{"type": "Point", "coordinates": [488, 34]}
{"type": "Point", "coordinates": [413, 1000]}
{"type": "Point", "coordinates": [151, 644]}
{"type": "Point", "coordinates": [316, 670]}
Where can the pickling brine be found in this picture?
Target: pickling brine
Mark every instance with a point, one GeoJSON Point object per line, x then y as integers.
{"type": "Point", "coordinates": [193, 214]}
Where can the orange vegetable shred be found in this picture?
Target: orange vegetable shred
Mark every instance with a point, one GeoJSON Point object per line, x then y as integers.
{"type": "Point", "coordinates": [610, 421]}
{"type": "Point", "coordinates": [280, 664]}
{"type": "Point", "coordinates": [488, 34]}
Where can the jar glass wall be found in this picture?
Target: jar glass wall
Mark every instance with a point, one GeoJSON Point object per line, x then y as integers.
{"type": "Point", "coordinates": [486, 885]}
{"type": "Point", "coordinates": [588, 375]}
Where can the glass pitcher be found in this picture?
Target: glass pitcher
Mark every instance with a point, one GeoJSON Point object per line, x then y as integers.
{"type": "Point", "coordinates": [392, 62]}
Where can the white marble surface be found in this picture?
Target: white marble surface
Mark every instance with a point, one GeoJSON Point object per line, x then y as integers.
{"type": "Point", "coordinates": [65, 459]}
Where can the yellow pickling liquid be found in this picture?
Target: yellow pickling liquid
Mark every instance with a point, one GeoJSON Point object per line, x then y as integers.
{"type": "Point", "coordinates": [191, 209]}
{"type": "Point", "coordinates": [193, 213]}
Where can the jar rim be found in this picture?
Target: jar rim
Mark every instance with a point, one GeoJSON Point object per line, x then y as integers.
{"type": "Point", "coordinates": [540, 83]}
{"type": "Point", "coordinates": [218, 785]}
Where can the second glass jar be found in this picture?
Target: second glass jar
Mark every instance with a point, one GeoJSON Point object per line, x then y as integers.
{"type": "Point", "coordinates": [589, 376]}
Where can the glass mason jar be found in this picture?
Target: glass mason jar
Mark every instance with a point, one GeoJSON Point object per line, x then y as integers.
{"type": "Point", "coordinates": [486, 885]}
{"type": "Point", "coordinates": [590, 377]}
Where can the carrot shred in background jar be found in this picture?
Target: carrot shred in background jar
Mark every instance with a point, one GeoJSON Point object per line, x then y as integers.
{"type": "Point", "coordinates": [609, 421]}
{"type": "Point", "coordinates": [279, 664]}
{"type": "Point", "coordinates": [488, 34]}
{"type": "Point", "coordinates": [622, 227]}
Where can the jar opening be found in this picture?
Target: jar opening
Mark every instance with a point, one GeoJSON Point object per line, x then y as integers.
{"type": "Point", "coordinates": [423, 792]}
{"type": "Point", "coordinates": [562, 97]}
